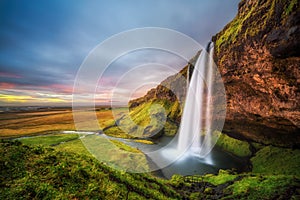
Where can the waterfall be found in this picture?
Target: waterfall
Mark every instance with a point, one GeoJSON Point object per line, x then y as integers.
{"type": "Point", "coordinates": [195, 134]}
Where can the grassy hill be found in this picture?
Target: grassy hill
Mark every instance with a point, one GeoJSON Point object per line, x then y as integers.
{"type": "Point", "coordinates": [37, 172]}
{"type": "Point", "coordinates": [44, 173]}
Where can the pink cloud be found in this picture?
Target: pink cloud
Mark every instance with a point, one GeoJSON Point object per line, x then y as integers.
{"type": "Point", "coordinates": [61, 88]}
{"type": "Point", "coordinates": [4, 85]}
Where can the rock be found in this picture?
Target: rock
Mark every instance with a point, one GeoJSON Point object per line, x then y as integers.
{"type": "Point", "coordinates": [258, 57]}
{"type": "Point", "coordinates": [261, 72]}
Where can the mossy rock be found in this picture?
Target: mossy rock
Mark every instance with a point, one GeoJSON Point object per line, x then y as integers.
{"type": "Point", "coordinates": [236, 147]}
{"type": "Point", "coordinates": [275, 160]}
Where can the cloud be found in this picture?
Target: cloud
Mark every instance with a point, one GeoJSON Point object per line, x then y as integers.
{"type": "Point", "coordinates": [43, 43]}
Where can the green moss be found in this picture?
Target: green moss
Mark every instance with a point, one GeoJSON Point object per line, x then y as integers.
{"type": "Point", "coordinates": [274, 160]}
{"type": "Point", "coordinates": [253, 20]}
{"type": "Point", "coordinates": [147, 119]}
{"type": "Point", "coordinates": [257, 146]}
{"type": "Point", "coordinates": [48, 174]}
{"type": "Point", "coordinates": [170, 129]}
{"type": "Point", "coordinates": [177, 180]}
{"type": "Point", "coordinates": [222, 177]}
{"type": "Point", "coordinates": [140, 115]}
{"type": "Point", "coordinates": [261, 187]}
{"type": "Point", "coordinates": [175, 111]}
{"type": "Point", "coordinates": [42, 173]}
{"type": "Point", "coordinates": [195, 195]}
{"type": "Point", "coordinates": [125, 147]}
{"type": "Point", "coordinates": [115, 131]}
{"type": "Point", "coordinates": [144, 141]}
{"type": "Point", "coordinates": [73, 146]}
{"type": "Point", "coordinates": [233, 29]}
{"type": "Point", "coordinates": [291, 7]}
{"type": "Point", "coordinates": [234, 146]}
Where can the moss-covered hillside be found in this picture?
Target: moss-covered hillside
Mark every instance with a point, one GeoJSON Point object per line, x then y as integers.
{"type": "Point", "coordinates": [44, 173]}
{"type": "Point", "coordinates": [36, 172]}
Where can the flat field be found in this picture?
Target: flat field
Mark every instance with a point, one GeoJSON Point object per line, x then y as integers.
{"type": "Point", "coordinates": [53, 120]}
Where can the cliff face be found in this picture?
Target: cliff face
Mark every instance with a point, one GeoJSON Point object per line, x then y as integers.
{"type": "Point", "coordinates": [258, 58]}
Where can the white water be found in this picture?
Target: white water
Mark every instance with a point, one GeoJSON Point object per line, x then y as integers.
{"type": "Point", "coordinates": [195, 129]}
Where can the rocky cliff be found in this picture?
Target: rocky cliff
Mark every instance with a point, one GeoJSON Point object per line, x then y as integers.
{"type": "Point", "coordinates": [257, 54]}
{"type": "Point", "coordinates": [258, 57]}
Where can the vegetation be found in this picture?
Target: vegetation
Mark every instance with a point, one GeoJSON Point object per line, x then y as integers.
{"type": "Point", "coordinates": [253, 20]}
{"type": "Point", "coordinates": [43, 173]}
{"type": "Point", "coordinates": [291, 6]}
{"type": "Point", "coordinates": [32, 123]}
{"type": "Point", "coordinates": [144, 141]}
{"type": "Point", "coordinates": [146, 120]}
{"type": "Point", "coordinates": [234, 146]}
{"type": "Point", "coordinates": [224, 176]}
{"type": "Point", "coordinates": [116, 153]}
{"type": "Point", "coordinates": [125, 147]}
{"type": "Point", "coordinates": [49, 140]}
{"type": "Point", "coordinates": [274, 160]}
{"type": "Point", "coordinates": [74, 146]}
{"type": "Point", "coordinates": [229, 185]}
{"type": "Point", "coordinates": [115, 131]}
{"type": "Point", "coordinates": [68, 171]}
{"type": "Point", "coordinates": [264, 187]}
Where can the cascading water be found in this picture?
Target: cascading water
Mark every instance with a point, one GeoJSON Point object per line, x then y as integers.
{"type": "Point", "coordinates": [195, 135]}
{"type": "Point", "coordinates": [201, 123]}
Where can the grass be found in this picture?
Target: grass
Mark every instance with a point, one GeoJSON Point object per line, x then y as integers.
{"type": "Point", "coordinates": [115, 131]}
{"type": "Point", "coordinates": [74, 146]}
{"type": "Point", "coordinates": [274, 160]}
{"type": "Point", "coordinates": [44, 173]}
{"type": "Point", "coordinates": [125, 147]}
{"type": "Point", "coordinates": [68, 171]}
{"type": "Point", "coordinates": [111, 151]}
{"type": "Point", "coordinates": [229, 185]}
{"type": "Point", "coordinates": [116, 154]}
{"type": "Point", "coordinates": [144, 141]}
{"type": "Point", "coordinates": [32, 123]}
{"type": "Point", "coordinates": [48, 140]}
{"type": "Point", "coordinates": [223, 177]}
{"type": "Point", "coordinates": [263, 187]}
{"type": "Point", "coordinates": [234, 146]}
{"type": "Point", "coordinates": [260, 15]}
{"type": "Point", "coordinates": [146, 120]}
{"type": "Point", "coordinates": [291, 6]}
{"type": "Point", "coordinates": [234, 28]}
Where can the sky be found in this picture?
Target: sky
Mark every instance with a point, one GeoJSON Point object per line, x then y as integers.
{"type": "Point", "coordinates": [44, 42]}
